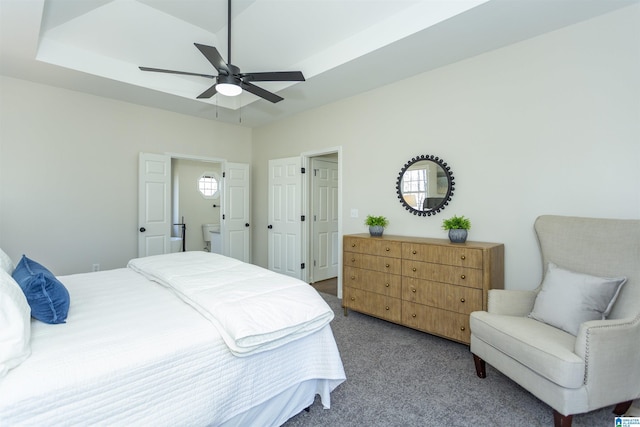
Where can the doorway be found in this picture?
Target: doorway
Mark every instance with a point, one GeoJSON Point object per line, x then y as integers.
{"type": "Point", "coordinates": [322, 199]}
{"type": "Point", "coordinates": [293, 235]}
{"type": "Point", "coordinates": [323, 221]}
{"type": "Point", "coordinates": [195, 200]}
{"type": "Point", "coordinates": [159, 207]}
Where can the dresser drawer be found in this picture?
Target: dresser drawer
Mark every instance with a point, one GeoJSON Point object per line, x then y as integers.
{"type": "Point", "coordinates": [442, 295]}
{"type": "Point", "coordinates": [462, 276]}
{"type": "Point", "coordinates": [372, 246]}
{"type": "Point", "coordinates": [458, 256]}
{"type": "Point", "coordinates": [373, 281]}
{"type": "Point", "coordinates": [377, 305]}
{"type": "Point", "coordinates": [448, 324]}
{"type": "Point", "coordinates": [372, 262]}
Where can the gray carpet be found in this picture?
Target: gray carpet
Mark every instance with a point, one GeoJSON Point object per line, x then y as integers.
{"type": "Point", "coordinates": [397, 376]}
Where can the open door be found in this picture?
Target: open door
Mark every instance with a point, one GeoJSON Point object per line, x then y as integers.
{"type": "Point", "coordinates": [154, 204]}
{"type": "Point", "coordinates": [285, 216]}
{"type": "Point", "coordinates": [236, 231]}
{"type": "Point", "coordinates": [324, 223]}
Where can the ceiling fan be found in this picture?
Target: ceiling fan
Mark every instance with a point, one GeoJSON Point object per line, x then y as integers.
{"type": "Point", "coordinates": [230, 81]}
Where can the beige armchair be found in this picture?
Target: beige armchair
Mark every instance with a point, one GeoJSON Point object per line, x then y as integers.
{"type": "Point", "coordinates": [572, 368]}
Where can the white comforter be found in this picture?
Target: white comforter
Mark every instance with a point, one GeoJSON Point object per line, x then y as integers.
{"type": "Point", "coordinates": [254, 309]}
{"type": "Point", "coordinates": [133, 354]}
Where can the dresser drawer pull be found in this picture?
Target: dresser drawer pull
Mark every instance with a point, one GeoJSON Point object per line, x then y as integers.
{"type": "Point", "coordinates": [462, 276]}
{"type": "Point", "coordinates": [413, 269]}
{"type": "Point", "coordinates": [413, 315]}
{"type": "Point", "coordinates": [461, 299]}
{"type": "Point", "coordinates": [353, 260]}
{"type": "Point", "coordinates": [463, 257]}
{"type": "Point", "coordinates": [353, 298]}
{"type": "Point", "coordinates": [387, 249]}
{"type": "Point", "coordinates": [414, 290]}
{"type": "Point", "coordinates": [353, 245]}
{"type": "Point", "coordinates": [386, 265]}
{"type": "Point", "coordinates": [353, 277]}
{"type": "Point", "coordinates": [386, 285]}
{"type": "Point", "coordinates": [462, 328]}
{"type": "Point", "coordinates": [414, 252]}
{"type": "Point", "coordinates": [386, 308]}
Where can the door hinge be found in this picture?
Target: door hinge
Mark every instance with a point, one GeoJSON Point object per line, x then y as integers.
{"type": "Point", "coordinates": [224, 174]}
{"type": "Point", "coordinates": [223, 216]}
{"type": "Point", "coordinates": [302, 170]}
{"type": "Point", "coordinates": [301, 217]}
{"type": "Point", "coordinates": [302, 266]}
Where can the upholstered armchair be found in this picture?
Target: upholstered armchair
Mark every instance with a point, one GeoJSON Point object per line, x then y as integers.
{"type": "Point", "coordinates": [573, 342]}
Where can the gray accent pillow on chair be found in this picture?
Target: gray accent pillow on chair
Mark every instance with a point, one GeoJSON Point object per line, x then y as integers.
{"type": "Point", "coordinates": [567, 298]}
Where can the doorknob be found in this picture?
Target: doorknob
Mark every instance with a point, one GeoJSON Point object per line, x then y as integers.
{"type": "Point", "coordinates": [269, 226]}
{"type": "Point", "coordinates": [246, 224]}
{"type": "Point", "coordinates": [142, 229]}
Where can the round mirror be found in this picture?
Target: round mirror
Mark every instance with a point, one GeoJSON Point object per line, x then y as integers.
{"type": "Point", "coordinates": [425, 185]}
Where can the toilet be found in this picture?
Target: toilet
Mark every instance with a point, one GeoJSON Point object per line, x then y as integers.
{"type": "Point", "coordinates": [207, 229]}
{"type": "Point", "coordinates": [211, 236]}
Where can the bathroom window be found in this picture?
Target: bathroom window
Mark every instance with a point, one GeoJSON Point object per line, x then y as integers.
{"type": "Point", "coordinates": [208, 185]}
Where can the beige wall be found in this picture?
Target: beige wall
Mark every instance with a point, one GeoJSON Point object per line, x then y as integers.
{"type": "Point", "coordinates": [69, 170]}
{"type": "Point", "coordinates": [547, 126]}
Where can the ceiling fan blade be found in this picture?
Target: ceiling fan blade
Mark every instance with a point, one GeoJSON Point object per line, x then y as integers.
{"type": "Point", "coordinates": [275, 76]}
{"type": "Point", "coordinates": [260, 92]}
{"type": "Point", "coordinates": [213, 56]}
{"type": "Point", "coordinates": [160, 70]}
{"type": "Point", "coordinates": [208, 93]}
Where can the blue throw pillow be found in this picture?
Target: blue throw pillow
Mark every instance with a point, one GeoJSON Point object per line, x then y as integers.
{"type": "Point", "coordinates": [47, 297]}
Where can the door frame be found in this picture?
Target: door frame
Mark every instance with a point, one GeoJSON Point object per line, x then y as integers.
{"type": "Point", "coordinates": [307, 200]}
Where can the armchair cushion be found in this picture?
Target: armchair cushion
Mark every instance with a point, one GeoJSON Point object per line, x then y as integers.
{"type": "Point", "coordinates": [544, 349]}
{"type": "Point", "coordinates": [567, 299]}
{"type": "Point", "coordinates": [511, 302]}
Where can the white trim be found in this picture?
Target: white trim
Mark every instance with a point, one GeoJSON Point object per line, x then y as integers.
{"type": "Point", "coordinates": [194, 157]}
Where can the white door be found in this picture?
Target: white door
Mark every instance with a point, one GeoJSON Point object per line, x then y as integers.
{"type": "Point", "coordinates": [324, 232]}
{"type": "Point", "coordinates": [154, 204]}
{"type": "Point", "coordinates": [284, 219]}
{"type": "Point", "coordinates": [236, 231]}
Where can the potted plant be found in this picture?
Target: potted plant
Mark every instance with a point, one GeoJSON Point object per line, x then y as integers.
{"type": "Point", "coordinates": [376, 224]}
{"type": "Point", "coordinates": [457, 226]}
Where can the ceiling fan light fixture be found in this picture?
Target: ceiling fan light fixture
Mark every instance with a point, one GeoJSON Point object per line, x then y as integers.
{"type": "Point", "coordinates": [227, 86]}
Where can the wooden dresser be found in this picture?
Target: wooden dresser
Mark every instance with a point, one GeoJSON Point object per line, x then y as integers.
{"type": "Point", "coordinates": [427, 284]}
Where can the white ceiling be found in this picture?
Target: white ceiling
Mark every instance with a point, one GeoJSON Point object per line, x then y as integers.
{"type": "Point", "coordinates": [343, 47]}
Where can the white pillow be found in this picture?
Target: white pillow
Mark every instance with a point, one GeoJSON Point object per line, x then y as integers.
{"type": "Point", "coordinates": [15, 324]}
{"type": "Point", "coordinates": [568, 299]}
{"type": "Point", "coordinates": [5, 262]}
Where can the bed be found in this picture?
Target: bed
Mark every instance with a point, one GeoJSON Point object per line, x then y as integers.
{"type": "Point", "coordinates": [149, 344]}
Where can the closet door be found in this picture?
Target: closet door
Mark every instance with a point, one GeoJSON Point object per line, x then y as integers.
{"type": "Point", "coordinates": [324, 222]}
